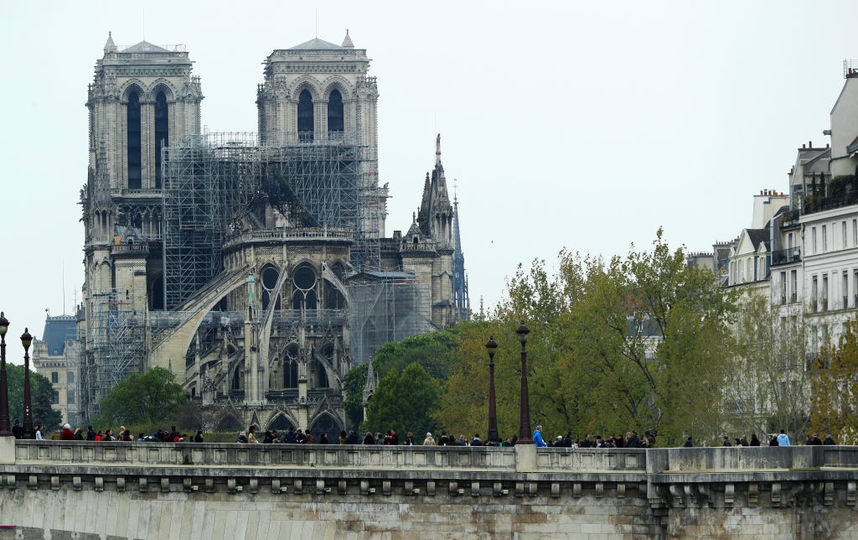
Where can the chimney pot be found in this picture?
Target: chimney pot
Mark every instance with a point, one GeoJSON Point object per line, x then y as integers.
{"type": "Point", "coordinates": [803, 145]}
{"type": "Point", "coordinates": [810, 144]}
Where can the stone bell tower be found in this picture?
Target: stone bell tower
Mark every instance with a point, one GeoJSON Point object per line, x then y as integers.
{"type": "Point", "coordinates": [142, 99]}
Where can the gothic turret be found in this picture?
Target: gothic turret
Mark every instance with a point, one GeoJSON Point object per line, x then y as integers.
{"type": "Point", "coordinates": [436, 213]}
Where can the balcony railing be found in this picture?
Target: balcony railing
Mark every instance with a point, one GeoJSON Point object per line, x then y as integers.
{"type": "Point", "coordinates": [786, 256]}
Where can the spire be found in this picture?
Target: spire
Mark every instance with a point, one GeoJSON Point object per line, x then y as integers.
{"type": "Point", "coordinates": [369, 387]}
{"type": "Point", "coordinates": [347, 42]}
{"type": "Point", "coordinates": [110, 46]}
{"type": "Point", "coordinates": [438, 149]}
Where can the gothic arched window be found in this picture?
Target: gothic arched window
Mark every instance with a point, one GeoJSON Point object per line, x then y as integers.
{"type": "Point", "coordinates": [135, 161]}
{"type": "Point", "coordinates": [335, 112]}
{"type": "Point", "coordinates": [161, 133]}
{"type": "Point", "coordinates": [305, 116]}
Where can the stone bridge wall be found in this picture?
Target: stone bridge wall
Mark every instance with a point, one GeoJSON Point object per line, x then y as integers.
{"type": "Point", "coordinates": [187, 490]}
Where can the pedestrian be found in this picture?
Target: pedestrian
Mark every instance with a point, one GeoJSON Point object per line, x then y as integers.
{"type": "Point", "coordinates": [17, 430]}
{"type": "Point", "coordinates": [783, 439]}
{"type": "Point", "coordinates": [342, 438]}
{"type": "Point", "coordinates": [199, 436]}
{"type": "Point", "coordinates": [829, 440]}
{"type": "Point", "coordinates": [368, 439]}
{"type": "Point", "coordinates": [537, 437]}
{"type": "Point", "coordinates": [773, 441]}
{"type": "Point", "coordinates": [726, 441]}
{"type": "Point", "coordinates": [39, 435]}
{"type": "Point", "coordinates": [409, 439]}
{"type": "Point", "coordinates": [323, 439]}
{"type": "Point", "coordinates": [429, 440]}
{"type": "Point", "coordinates": [66, 434]}
{"type": "Point", "coordinates": [476, 440]}
{"type": "Point", "coordinates": [754, 440]}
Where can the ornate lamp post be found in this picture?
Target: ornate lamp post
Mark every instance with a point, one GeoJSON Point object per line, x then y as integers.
{"type": "Point", "coordinates": [5, 427]}
{"type": "Point", "coordinates": [493, 437]}
{"type": "Point", "coordinates": [29, 433]}
{"type": "Point", "coordinates": [524, 421]}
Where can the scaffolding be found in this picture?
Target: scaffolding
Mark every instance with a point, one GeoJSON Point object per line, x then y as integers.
{"type": "Point", "coordinates": [214, 185]}
{"type": "Point", "coordinates": [118, 340]}
{"type": "Point", "coordinates": [389, 306]}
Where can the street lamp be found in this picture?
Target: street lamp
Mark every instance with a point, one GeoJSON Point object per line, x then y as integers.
{"type": "Point", "coordinates": [26, 340]}
{"type": "Point", "coordinates": [5, 427]}
{"type": "Point", "coordinates": [524, 421]}
{"type": "Point", "coordinates": [491, 347]}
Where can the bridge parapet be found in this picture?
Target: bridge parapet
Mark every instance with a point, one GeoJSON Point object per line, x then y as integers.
{"type": "Point", "coordinates": [197, 490]}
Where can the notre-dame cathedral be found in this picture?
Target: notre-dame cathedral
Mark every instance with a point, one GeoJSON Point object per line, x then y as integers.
{"type": "Point", "coordinates": [254, 266]}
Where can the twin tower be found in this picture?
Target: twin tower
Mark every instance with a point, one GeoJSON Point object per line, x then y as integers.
{"type": "Point", "coordinates": [254, 266]}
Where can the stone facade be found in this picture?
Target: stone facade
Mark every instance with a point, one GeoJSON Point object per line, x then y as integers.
{"type": "Point", "coordinates": [253, 267]}
{"type": "Point", "coordinates": [153, 490]}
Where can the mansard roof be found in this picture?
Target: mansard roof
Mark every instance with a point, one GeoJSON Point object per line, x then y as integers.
{"type": "Point", "coordinates": [757, 236]}
{"type": "Point", "coordinates": [317, 44]}
{"type": "Point", "coordinates": [145, 47]}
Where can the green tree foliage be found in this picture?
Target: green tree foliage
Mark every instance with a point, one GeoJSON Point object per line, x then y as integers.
{"type": "Point", "coordinates": [41, 395]}
{"type": "Point", "coordinates": [145, 398]}
{"type": "Point", "coordinates": [353, 386]}
{"type": "Point", "coordinates": [403, 401]}
{"type": "Point", "coordinates": [630, 343]}
{"type": "Point", "coordinates": [834, 390]}
{"type": "Point", "coordinates": [432, 351]}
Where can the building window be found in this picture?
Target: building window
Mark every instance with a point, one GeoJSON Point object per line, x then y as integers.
{"type": "Point", "coordinates": [824, 238]}
{"type": "Point", "coordinates": [134, 147]}
{"type": "Point", "coordinates": [161, 133]}
{"type": "Point", "coordinates": [814, 294]}
{"type": "Point", "coordinates": [813, 239]}
{"type": "Point", "coordinates": [845, 240]}
{"type": "Point", "coordinates": [70, 377]}
{"type": "Point", "coordinates": [55, 398]}
{"type": "Point", "coordinates": [824, 292]}
{"type": "Point", "coordinates": [305, 116]}
{"type": "Point", "coordinates": [793, 285]}
{"type": "Point", "coordinates": [855, 232]}
{"type": "Point", "coordinates": [55, 377]}
{"type": "Point", "coordinates": [70, 397]}
{"type": "Point", "coordinates": [335, 112]}
{"type": "Point", "coordinates": [783, 288]}
{"type": "Point", "coordinates": [845, 292]}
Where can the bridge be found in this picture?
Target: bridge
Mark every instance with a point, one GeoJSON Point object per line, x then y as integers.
{"type": "Point", "coordinates": [59, 489]}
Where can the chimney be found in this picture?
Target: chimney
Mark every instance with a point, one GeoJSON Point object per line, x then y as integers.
{"type": "Point", "coordinates": [810, 144]}
{"type": "Point", "coordinates": [803, 146]}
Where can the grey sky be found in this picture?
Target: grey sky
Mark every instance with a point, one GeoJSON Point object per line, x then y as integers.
{"type": "Point", "coordinates": [567, 124]}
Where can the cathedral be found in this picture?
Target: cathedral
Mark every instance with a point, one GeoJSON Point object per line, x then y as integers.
{"type": "Point", "coordinates": [254, 266]}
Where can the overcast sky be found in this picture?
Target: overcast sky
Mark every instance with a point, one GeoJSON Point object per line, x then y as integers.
{"type": "Point", "coordinates": [566, 124]}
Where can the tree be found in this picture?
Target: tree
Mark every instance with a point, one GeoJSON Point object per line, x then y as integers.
{"type": "Point", "coordinates": [433, 351]}
{"type": "Point", "coordinates": [834, 390]}
{"type": "Point", "coordinates": [41, 397]}
{"type": "Point", "coordinates": [353, 386]}
{"type": "Point", "coordinates": [403, 401]}
{"type": "Point", "coordinates": [768, 383]}
{"type": "Point", "coordinates": [144, 398]}
{"type": "Point", "coordinates": [630, 343]}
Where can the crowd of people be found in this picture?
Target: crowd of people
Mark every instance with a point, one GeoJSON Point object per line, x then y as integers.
{"type": "Point", "coordinates": [108, 435]}
{"type": "Point", "coordinates": [775, 439]}
{"type": "Point", "coordinates": [391, 437]}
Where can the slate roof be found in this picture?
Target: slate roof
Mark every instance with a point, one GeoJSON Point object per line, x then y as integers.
{"type": "Point", "coordinates": [144, 47]}
{"type": "Point", "coordinates": [57, 330]}
{"type": "Point", "coordinates": [316, 44]}
{"type": "Point", "coordinates": [758, 235]}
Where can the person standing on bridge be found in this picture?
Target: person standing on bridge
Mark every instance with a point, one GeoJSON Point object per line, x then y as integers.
{"type": "Point", "coordinates": [537, 436]}
{"type": "Point", "coordinates": [783, 439]}
{"type": "Point", "coordinates": [66, 434]}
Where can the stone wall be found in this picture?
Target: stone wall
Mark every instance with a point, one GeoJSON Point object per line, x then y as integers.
{"type": "Point", "coordinates": [151, 490]}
